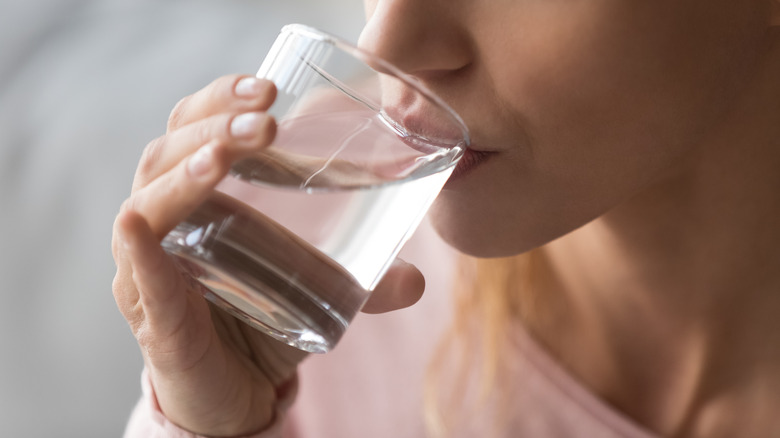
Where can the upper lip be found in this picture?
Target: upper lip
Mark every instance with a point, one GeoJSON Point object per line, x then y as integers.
{"type": "Point", "coordinates": [427, 126]}
{"type": "Point", "coordinates": [484, 143]}
{"type": "Point", "coordinates": [481, 144]}
{"type": "Point", "coordinates": [421, 120]}
{"type": "Point", "coordinates": [480, 148]}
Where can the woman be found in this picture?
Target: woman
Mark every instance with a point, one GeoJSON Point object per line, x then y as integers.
{"type": "Point", "coordinates": [624, 166]}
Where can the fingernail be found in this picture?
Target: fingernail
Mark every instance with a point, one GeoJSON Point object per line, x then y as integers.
{"type": "Point", "coordinates": [248, 87]}
{"type": "Point", "coordinates": [245, 125]}
{"type": "Point", "coordinates": [201, 161]}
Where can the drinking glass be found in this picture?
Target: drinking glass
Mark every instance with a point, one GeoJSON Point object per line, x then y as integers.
{"type": "Point", "coordinates": [294, 240]}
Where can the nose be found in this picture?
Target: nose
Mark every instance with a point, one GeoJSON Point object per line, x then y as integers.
{"type": "Point", "coordinates": [423, 38]}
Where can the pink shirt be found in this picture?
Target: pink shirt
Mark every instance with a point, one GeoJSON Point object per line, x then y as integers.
{"type": "Point", "coordinates": [371, 384]}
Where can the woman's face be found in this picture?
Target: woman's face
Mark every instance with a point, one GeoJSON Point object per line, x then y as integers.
{"type": "Point", "coordinates": [576, 105]}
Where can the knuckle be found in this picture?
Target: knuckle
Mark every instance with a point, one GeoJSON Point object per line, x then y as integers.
{"type": "Point", "coordinates": [150, 156]}
{"type": "Point", "coordinates": [119, 285]}
{"type": "Point", "coordinates": [205, 131]}
{"type": "Point", "coordinates": [115, 246]}
{"type": "Point", "coordinates": [176, 117]}
{"type": "Point", "coordinates": [125, 295]}
{"type": "Point", "coordinates": [128, 204]}
{"type": "Point", "coordinates": [116, 240]}
{"type": "Point", "coordinates": [220, 88]}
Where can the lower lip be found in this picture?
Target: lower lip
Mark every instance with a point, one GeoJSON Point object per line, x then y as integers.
{"type": "Point", "coordinates": [468, 162]}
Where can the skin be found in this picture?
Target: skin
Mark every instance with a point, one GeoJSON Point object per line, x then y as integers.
{"type": "Point", "coordinates": [641, 138]}
{"type": "Point", "coordinates": [634, 143]}
{"type": "Point", "coordinates": [614, 74]}
{"type": "Point", "coordinates": [211, 374]}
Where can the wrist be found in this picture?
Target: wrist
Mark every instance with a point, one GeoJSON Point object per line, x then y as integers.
{"type": "Point", "coordinates": [264, 420]}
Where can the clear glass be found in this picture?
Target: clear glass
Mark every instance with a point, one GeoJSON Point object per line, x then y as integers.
{"type": "Point", "coordinates": [296, 238]}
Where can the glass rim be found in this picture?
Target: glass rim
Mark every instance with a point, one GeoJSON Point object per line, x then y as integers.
{"type": "Point", "coordinates": [342, 44]}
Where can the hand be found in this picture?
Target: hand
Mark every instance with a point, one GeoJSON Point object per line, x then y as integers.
{"type": "Point", "coordinates": [212, 374]}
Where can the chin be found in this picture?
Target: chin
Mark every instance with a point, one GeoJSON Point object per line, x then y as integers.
{"type": "Point", "coordinates": [482, 238]}
{"type": "Point", "coordinates": [485, 227]}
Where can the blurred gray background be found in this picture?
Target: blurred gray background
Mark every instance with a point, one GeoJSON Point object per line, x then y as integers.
{"type": "Point", "coordinates": [84, 85]}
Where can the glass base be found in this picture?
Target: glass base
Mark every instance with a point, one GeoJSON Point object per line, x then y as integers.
{"type": "Point", "coordinates": [265, 275]}
{"type": "Point", "coordinates": [265, 309]}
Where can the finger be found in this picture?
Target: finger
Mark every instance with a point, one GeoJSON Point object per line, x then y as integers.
{"type": "Point", "coordinates": [239, 132]}
{"type": "Point", "coordinates": [125, 293]}
{"type": "Point", "coordinates": [402, 286]}
{"type": "Point", "coordinates": [172, 197]}
{"type": "Point", "coordinates": [160, 287]}
{"type": "Point", "coordinates": [232, 93]}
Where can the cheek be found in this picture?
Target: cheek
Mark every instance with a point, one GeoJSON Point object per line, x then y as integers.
{"type": "Point", "coordinates": [610, 102]}
{"type": "Point", "coordinates": [614, 96]}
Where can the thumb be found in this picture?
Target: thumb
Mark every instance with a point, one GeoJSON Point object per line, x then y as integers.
{"type": "Point", "coordinates": [402, 286]}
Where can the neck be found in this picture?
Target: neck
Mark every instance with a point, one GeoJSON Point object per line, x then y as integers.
{"type": "Point", "coordinates": [670, 301]}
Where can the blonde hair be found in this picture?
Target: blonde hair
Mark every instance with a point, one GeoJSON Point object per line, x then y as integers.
{"type": "Point", "coordinates": [490, 295]}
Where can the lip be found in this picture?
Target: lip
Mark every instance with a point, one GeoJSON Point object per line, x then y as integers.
{"type": "Point", "coordinates": [470, 160]}
{"type": "Point", "coordinates": [420, 118]}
